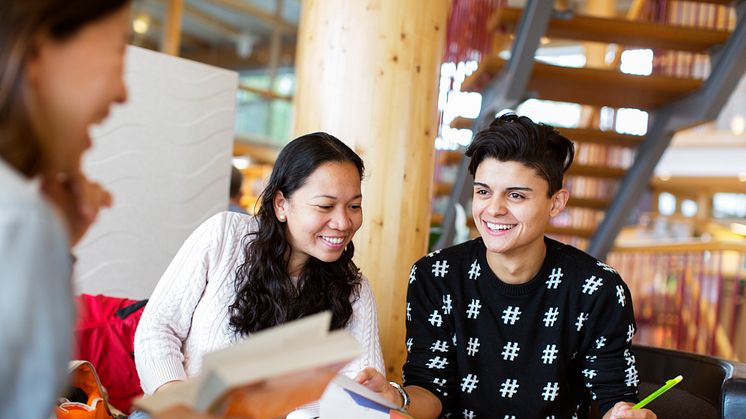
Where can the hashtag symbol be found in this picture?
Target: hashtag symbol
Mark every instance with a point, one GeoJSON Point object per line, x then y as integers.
{"type": "Point", "coordinates": [630, 333]}
{"type": "Point", "coordinates": [621, 297]}
{"type": "Point", "coordinates": [412, 277]}
{"type": "Point", "coordinates": [435, 319]}
{"type": "Point", "coordinates": [511, 315]}
{"type": "Point", "coordinates": [440, 268]}
{"type": "Point", "coordinates": [592, 284]}
{"type": "Point", "coordinates": [582, 317]}
{"type": "Point", "coordinates": [551, 391]}
{"type": "Point", "coordinates": [549, 354]}
{"type": "Point", "coordinates": [590, 358]}
{"type": "Point", "coordinates": [510, 351]}
{"type": "Point", "coordinates": [631, 376]}
{"type": "Point", "coordinates": [509, 388]}
{"type": "Point", "coordinates": [409, 344]}
{"type": "Point", "coordinates": [437, 362]}
{"type": "Point", "coordinates": [440, 382]}
{"type": "Point", "coordinates": [629, 357]}
{"type": "Point", "coordinates": [440, 346]}
{"type": "Point", "coordinates": [447, 304]}
{"type": "Point", "coordinates": [473, 346]}
{"type": "Point", "coordinates": [469, 383]}
{"type": "Point", "coordinates": [473, 311]}
{"type": "Point", "coordinates": [433, 253]}
{"type": "Point", "coordinates": [454, 339]}
{"type": "Point", "coordinates": [550, 316]}
{"type": "Point", "coordinates": [589, 374]}
{"type": "Point", "coordinates": [605, 266]}
{"type": "Point", "coordinates": [469, 414]}
{"type": "Point", "coordinates": [555, 278]}
{"type": "Point", "coordinates": [475, 269]}
{"type": "Point", "coordinates": [409, 313]}
{"type": "Point", "coordinates": [600, 342]}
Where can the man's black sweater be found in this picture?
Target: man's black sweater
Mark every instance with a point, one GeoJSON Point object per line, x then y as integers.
{"type": "Point", "coordinates": [541, 349]}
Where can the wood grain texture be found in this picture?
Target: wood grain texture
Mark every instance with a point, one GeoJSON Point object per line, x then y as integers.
{"type": "Point", "coordinates": [368, 73]}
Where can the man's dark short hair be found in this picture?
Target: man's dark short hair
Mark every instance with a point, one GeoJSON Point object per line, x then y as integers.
{"type": "Point", "coordinates": [517, 138]}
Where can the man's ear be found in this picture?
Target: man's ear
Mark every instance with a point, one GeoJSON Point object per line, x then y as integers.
{"type": "Point", "coordinates": [559, 200]}
{"type": "Point", "coordinates": [280, 204]}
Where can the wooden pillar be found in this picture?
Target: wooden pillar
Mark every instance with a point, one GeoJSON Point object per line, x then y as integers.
{"type": "Point", "coordinates": [171, 39]}
{"type": "Point", "coordinates": [367, 73]}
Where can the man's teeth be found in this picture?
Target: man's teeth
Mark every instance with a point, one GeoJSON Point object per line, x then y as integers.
{"type": "Point", "coordinates": [493, 226]}
{"type": "Point", "coordinates": [334, 240]}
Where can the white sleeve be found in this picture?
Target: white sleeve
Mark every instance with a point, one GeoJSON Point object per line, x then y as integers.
{"type": "Point", "coordinates": [364, 327]}
{"type": "Point", "coordinates": [167, 317]}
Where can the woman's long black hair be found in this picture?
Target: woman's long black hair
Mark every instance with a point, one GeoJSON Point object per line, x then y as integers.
{"type": "Point", "coordinates": [265, 294]}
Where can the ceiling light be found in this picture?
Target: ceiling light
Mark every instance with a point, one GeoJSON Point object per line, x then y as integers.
{"type": "Point", "coordinates": [140, 25]}
{"type": "Point", "coordinates": [737, 125]}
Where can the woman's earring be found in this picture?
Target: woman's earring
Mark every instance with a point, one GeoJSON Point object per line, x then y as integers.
{"type": "Point", "coordinates": [282, 218]}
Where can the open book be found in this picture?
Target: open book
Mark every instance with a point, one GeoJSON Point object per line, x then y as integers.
{"type": "Point", "coordinates": [345, 399]}
{"type": "Point", "coordinates": [266, 375]}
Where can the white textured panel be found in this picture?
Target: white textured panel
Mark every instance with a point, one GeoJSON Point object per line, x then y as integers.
{"type": "Point", "coordinates": [165, 156]}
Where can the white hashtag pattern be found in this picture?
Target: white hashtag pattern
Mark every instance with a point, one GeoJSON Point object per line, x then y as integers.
{"type": "Point", "coordinates": [439, 346]}
{"type": "Point", "coordinates": [630, 333]}
{"type": "Point", "coordinates": [582, 317]}
{"type": "Point", "coordinates": [550, 316]}
{"type": "Point", "coordinates": [509, 388]}
{"type": "Point", "coordinates": [605, 267]}
{"type": "Point", "coordinates": [435, 319]}
{"type": "Point", "coordinates": [474, 270]}
{"type": "Point", "coordinates": [469, 383]}
{"type": "Point", "coordinates": [632, 379]}
{"type": "Point", "coordinates": [589, 373]}
{"type": "Point", "coordinates": [592, 285]}
{"type": "Point", "coordinates": [549, 354]}
{"type": "Point", "coordinates": [511, 315]}
{"type": "Point", "coordinates": [447, 304]}
{"type": "Point", "coordinates": [473, 309]}
{"type": "Point", "coordinates": [551, 391]}
{"type": "Point", "coordinates": [621, 297]}
{"type": "Point", "coordinates": [409, 313]}
{"type": "Point", "coordinates": [440, 268]}
{"type": "Point", "coordinates": [555, 279]}
{"type": "Point", "coordinates": [600, 342]}
{"type": "Point", "coordinates": [412, 276]}
{"type": "Point", "coordinates": [510, 351]}
{"type": "Point", "coordinates": [469, 414]}
{"type": "Point", "coordinates": [472, 347]}
{"type": "Point", "coordinates": [409, 344]}
{"type": "Point", "coordinates": [438, 362]}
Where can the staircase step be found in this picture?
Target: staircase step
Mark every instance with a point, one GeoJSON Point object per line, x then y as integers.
{"type": "Point", "coordinates": [596, 171]}
{"type": "Point", "coordinates": [595, 136]}
{"type": "Point", "coordinates": [619, 31]}
{"type": "Point", "coordinates": [571, 231]}
{"type": "Point", "coordinates": [592, 203]}
{"type": "Point", "coordinates": [578, 135]}
{"type": "Point", "coordinates": [590, 86]}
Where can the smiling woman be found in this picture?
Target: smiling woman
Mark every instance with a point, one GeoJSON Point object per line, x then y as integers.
{"type": "Point", "coordinates": [237, 275]}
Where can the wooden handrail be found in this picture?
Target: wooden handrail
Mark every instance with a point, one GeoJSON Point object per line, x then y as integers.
{"type": "Point", "coordinates": [267, 94]}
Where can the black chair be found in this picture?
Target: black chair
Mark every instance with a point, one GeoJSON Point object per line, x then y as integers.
{"type": "Point", "coordinates": [712, 387]}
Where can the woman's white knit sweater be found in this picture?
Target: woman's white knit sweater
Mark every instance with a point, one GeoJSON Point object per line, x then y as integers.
{"type": "Point", "coordinates": [187, 315]}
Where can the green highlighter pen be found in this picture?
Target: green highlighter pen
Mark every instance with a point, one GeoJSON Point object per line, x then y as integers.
{"type": "Point", "coordinates": [670, 383]}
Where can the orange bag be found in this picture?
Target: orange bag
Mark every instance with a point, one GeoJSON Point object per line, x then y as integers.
{"type": "Point", "coordinates": [84, 377]}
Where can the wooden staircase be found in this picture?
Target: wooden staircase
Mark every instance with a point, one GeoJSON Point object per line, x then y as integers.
{"type": "Point", "coordinates": [593, 219]}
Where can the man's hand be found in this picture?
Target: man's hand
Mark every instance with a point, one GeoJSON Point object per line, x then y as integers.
{"type": "Point", "coordinates": [624, 410]}
{"type": "Point", "coordinates": [377, 382]}
{"type": "Point", "coordinates": [78, 199]}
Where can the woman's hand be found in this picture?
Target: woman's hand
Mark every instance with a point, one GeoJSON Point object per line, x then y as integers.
{"type": "Point", "coordinates": [78, 199]}
{"type": "Point", "coordinates": [375, 381]}
{"type": "Point", "coordinates": [624, 410]}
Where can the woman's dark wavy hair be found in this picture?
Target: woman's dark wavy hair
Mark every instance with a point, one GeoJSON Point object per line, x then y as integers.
{"type": "Point", "coordinates": [266, 295]}
{"type": "Point", "coordinates": [517, 138]}
{"type": "Point", "coordinates": [22, 24]}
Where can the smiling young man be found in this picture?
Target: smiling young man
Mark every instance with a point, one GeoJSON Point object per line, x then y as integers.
{"type": "Point", "coordinates": [514, 324]}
